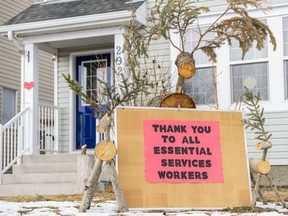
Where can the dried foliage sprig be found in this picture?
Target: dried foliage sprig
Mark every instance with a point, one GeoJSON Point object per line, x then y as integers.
{"type": "Point", "coordinates": [177, 16]}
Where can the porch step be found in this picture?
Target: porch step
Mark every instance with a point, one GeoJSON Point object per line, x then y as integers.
{"type": "Point", "coordinates": [42, 175]}
{"type": "Point", "coordinates": [59, 158]}
{"type": "Point", "coordinates": [36, 178]}
{"type": "Point", "coordinates": [45, 168]}
{"type": "Point", "coordinates": [37, 189]}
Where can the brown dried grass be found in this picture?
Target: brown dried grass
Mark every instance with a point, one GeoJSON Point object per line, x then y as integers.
{"type": "Point", "coordinates": [109, 195]}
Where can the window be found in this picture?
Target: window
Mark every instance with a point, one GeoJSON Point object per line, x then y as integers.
{"type": "Point", "coordinates": [254, 76]}
{"type": "Point", "coordinates": [200, 87]}
{"type": "Point", "coordinates": [285, 50]}
{"type": "Point", "coordinates": [252, 71]}
{"type": "Point", "coordinates": [94, 73]}
{"type": "Point", "coordinates": [9, 105]}
{"type": "Point", "coordinates": [191, 39]}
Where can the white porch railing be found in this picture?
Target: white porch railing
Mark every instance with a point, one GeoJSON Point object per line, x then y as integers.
{"type": "Point", "coordinates": [48, 129]}
{"type": "Point", "coordinates": [12, 142]}
{"type": "Point", "coordinates": [12, 145]}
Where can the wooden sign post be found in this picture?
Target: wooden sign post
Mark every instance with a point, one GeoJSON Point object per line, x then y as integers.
{"type": "Point", "coordinates": [182, 158]}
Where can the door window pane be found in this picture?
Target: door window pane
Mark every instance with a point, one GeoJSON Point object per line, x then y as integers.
{"type": "Point", "coordinates": [9, 104]}
{"type": "Point", "coordinates": [253, 76]}
{"type": "Point", "coordinates": [200, 87]}
{"type": "Point", "coordinates": [94, 73]}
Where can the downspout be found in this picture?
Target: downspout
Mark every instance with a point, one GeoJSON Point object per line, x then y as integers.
{"type": "Point", "coordinates": [11, 38]}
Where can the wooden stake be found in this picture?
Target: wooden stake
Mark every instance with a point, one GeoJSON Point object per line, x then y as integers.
{"type": "Point", "coordinates": [256, 189]}
{"type": "Point", "coordinates": [259, 190]}
{"type": "Point", "coordinates": [121, 202]}
{"type": "Point", "coordinates": [276, 192]}
{"type": "Point", "coordinates": [83, 149]}
{"type": "Point", "coordinates": [91, 186]}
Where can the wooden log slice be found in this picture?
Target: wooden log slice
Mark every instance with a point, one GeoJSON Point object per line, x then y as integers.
{"type": "Point", "coordinates": [172, 100]}
{"type": "Point", "coordinates": [103, 124]}
{"type": "Point", "coordinates": [259, 166]}
{"type": "Point", "coordinates": [105, 150]}
{"type": "Point", "coordinates": [186, 65]}
{"type": "Point", "coordinates": [263, 145]}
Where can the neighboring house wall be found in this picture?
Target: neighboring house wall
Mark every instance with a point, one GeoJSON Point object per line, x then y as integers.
{"type": "Point", "coordinates": [10, 61]}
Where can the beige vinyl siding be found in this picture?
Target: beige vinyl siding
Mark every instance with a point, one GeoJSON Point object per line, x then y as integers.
{"type": "Point", "coordinates": [277, 124]}
{"type": "Point", "coordinates": [10, 66]}
{"type": "Point", "coordinates": [10, 58]}
{"type": "Point", "coordinates": [46, 78]}
{"type": "Point", "coordinates": [9, 9]}
{"type": "Point", "coordinates": [63, 102]}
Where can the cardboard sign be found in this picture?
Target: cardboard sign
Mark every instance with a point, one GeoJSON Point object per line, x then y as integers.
{"type": "Point", "coordinates": [182, 151]}
{"type": "Point", "coordinates": [191, 146]}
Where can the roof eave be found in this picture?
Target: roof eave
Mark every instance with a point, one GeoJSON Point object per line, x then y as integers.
{"type": "Point", "coordinates": [66, 24]}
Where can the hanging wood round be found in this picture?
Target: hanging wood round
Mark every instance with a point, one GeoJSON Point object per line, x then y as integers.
{"type": "Point", "coordinates": [105, 150]}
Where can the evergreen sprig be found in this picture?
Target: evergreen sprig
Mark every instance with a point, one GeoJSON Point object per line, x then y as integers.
{"type": "Point", "coordinates": [256, 119]}
{"type": "Point", "coordinates": [111, 96]}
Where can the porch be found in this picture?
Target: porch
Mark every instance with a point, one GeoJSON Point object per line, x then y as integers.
{"type": "Point", "coordinates": [49, 172]}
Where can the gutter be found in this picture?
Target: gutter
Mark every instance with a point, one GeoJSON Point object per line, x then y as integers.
{"type": "Point", "coordinates": [11, 38]}
{"type": "Point", "coordinates": [64, 24]}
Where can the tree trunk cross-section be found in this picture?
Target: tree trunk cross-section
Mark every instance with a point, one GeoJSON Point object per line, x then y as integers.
{"type": "Point", "coordinates": [259, 166]}
{"type": "Point", "coordinates": [105, 150]}
{"type": "Point", "coordinates": [186, 65]}
{"type": "Point", "coordinates": [173, 100]}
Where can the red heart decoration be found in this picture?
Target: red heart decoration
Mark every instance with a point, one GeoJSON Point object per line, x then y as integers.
{"type": "Point", "coordinates": [28, 85]}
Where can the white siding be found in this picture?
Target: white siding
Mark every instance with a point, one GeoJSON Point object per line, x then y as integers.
{"type": "Point", "coordinates": [277, 124]}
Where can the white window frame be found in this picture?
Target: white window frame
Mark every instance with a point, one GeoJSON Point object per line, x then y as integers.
{"type": "Point", "coordinates": [285, 59]}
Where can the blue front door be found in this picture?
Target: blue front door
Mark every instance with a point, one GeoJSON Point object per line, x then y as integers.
{"type": "Point", "coordinates": [89, 70]}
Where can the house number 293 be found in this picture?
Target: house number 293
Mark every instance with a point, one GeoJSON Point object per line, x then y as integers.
{"type": "Point", "coordinates": [119, 60]}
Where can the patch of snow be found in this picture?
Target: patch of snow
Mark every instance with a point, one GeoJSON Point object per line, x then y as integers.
{"type": "Point", "coordinates": [108, 208]}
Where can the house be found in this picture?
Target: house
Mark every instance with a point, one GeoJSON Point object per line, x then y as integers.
{"type": "Point", "coordinates": [89, 33]}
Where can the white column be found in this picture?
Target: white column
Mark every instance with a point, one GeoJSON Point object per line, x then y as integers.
{"type": "Point", "coordinates": [31, 98]}
{"type": "Point", "coordinates": [118, 52]}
